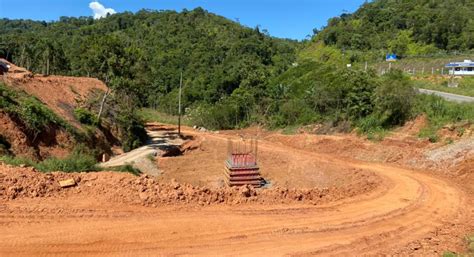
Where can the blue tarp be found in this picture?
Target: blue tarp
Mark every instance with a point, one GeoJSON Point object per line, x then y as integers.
{"type": "Point", "coordinates": [391, 57]}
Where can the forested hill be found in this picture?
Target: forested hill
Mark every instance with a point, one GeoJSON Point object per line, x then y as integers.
{"type": "Point", "coordinates": [406, 27]}
{"type": "Point", "coordinates": [145, 52]}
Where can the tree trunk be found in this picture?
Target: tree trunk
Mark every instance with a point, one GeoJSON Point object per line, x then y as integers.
{"type": "Point", "coordinates": [102, 104]}
{"type": "Point", "coordinates": [47, 65]}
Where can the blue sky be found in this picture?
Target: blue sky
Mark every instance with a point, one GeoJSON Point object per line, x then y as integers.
{"type": "Point", "coordinates": [282, 18]}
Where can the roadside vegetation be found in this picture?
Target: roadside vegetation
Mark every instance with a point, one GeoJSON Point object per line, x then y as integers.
{"type": "Point", "coordinates": [465, 87]}
{"type": "Point", "coordinates": [78, 161]}
{"type": "Point", "coordinates": [82, 159]}
{"type": "Point", "coordinates": [440, 113]}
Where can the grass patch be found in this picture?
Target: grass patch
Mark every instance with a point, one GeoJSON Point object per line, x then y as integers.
{"type": "Point", "coordinates": [377, 135]}
{"type": "Point", "coordinates": [74, 163]}
{"type": "Point", "coordinates": [470, 241]}
{"type": "Point", "coordinates": [450, 254]}
{"type": "Point", "coordinates": [441, 112]}
{"type": "Point", "coordinates": [290, 130]}
{"type": "Point", "coordinates": [466, 86]}
{"type": "Point", "coordinates": [127, 168]}
{"type": "Point", "coordinates": [80, 160]}
{"type": "Point", "coordinates": [430, 133]}
{"type": "Point", "coordinates": [17, 161]}
{"type": "Point", "coordinates": [470, 248]}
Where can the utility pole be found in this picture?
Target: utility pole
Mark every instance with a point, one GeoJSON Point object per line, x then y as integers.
{"type": "Point", "coordinates": [179, 103]}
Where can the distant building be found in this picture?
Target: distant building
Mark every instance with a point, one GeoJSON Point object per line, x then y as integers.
{"type": "Point", "coordinates": [465, 68]}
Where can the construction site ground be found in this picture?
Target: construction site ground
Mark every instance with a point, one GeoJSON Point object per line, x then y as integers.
{"type": "Point", "coordinates": [326, 195]}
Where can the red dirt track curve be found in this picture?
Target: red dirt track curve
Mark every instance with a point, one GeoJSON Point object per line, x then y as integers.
{"type": "Point", "coordinates": [410, 212]}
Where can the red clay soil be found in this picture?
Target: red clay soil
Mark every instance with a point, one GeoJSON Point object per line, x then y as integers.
{"type": "Point", "coordinates": [385, 210]}
{"type": "Point", "coordinates": [20, 144]}
{"type": "Point", "coordinates": [124, 188]}
{"type": "Point", "coordinates": [203, 165]}
{"type": "Point", "coordinates": [342, 205]}
{"type": "Point", "coordinates": [51, 142]}
{"type": "Point", "coordinates": [61, 94]}
{"type": "Point", "coordinates": [406, 212]}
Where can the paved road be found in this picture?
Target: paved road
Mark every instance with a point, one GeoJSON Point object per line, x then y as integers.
{"type": "Point", "coordinates": [448, 96]}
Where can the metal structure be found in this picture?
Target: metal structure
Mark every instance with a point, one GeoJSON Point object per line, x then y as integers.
{"type": "Point", "coordinates": [241, 167]}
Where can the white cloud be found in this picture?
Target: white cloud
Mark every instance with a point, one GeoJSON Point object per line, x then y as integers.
{"type": "Point", "coordinates": [100, 11]}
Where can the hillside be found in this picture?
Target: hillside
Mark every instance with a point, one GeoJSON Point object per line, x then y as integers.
{"type": "Point", "coordinates": [50, 116]}
{"type": "Point", "coordinates": [61, 94]}
{"type": "Point", "coordinates": [144, 53]}
{"type": "Point", "coordinates": [235, 76]}
{"type": "Point", "coordinates": [407, 28]}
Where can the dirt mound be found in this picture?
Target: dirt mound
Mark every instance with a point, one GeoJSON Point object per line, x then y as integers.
{"type": "Point", "coordinates": [125, 188]}
{"type": "Point", "coordinates": [191, 144]}
{"type": "Point", "coordinates": [61, 94]}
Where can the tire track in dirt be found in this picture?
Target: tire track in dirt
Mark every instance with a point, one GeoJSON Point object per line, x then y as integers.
{"type": "Point", "coordinates": [408, 206]}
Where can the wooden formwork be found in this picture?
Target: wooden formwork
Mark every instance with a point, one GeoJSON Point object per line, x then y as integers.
{"type": "Point", "coordinates": [241, 166]}
{"type": "Point", "coordinates": [240, 176]}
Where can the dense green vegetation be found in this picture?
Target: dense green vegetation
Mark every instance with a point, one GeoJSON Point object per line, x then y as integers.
{"type": "Point", "coordinates": [345, 98]}
{"type": "Point", "coordinates": [144, 53]}
{"type": "Point", "coordinates": [407, 28]}
{"type": "Point", "coordinates": [141, 56]}
{"type": "Point", "coordinates": [85, 116]}
{"type": "Point", "coordinates": [236, 76]}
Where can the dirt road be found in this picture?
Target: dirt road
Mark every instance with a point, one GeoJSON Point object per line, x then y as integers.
{"type": "Point", "coordinates": [410, 213]}
{"type": "Point", "coordinates": [158, 141]}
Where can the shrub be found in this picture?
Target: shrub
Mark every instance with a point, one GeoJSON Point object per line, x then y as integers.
{"type": "Point", "coordinates": [394, 99]}
{"type": "Point", "coordinates": [369, 124]}
{"type": "Point", "coordinates": [85, 117]}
